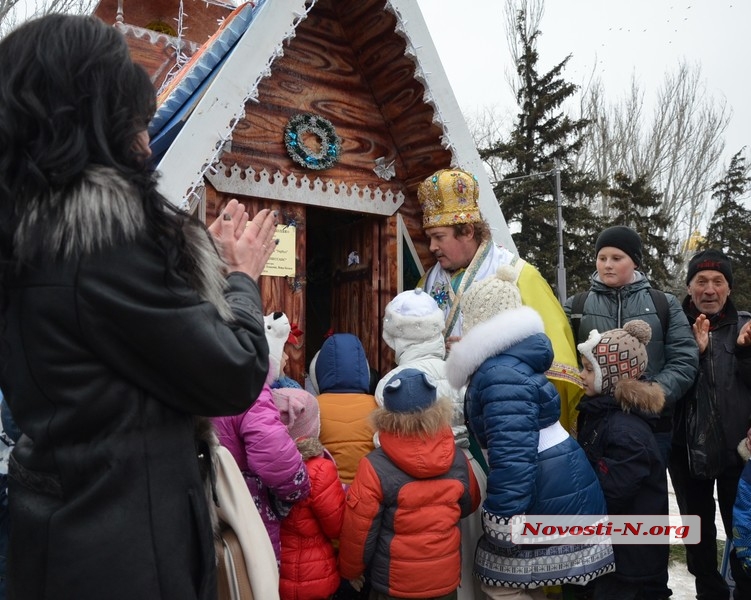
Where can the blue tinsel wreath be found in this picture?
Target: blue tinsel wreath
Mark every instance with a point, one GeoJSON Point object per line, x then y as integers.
{"type": "Point", "coordinates": [331, 144]}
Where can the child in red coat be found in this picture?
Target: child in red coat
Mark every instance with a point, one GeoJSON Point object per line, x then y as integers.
{"type": "Point", "coordinates": [308, 561]}
{"type": "Point", "coordinates": [401, 523]}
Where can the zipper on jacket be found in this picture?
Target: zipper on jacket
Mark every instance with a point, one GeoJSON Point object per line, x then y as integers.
{"type": "Point", "coordinates": [712, 377]}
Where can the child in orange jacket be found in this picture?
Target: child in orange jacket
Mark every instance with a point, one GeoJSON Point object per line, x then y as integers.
{"type": "Point", "coordinates": [340, 375]}
{"type": "Point", "coordinates": [405, 503]}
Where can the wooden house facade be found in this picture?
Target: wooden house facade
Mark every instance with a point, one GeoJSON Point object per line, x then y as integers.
{"type": "Point", "coordinates": [330, 112]}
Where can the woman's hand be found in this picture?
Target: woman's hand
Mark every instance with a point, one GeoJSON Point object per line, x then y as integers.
{"type": "Point", "coordinates": [245, 244]}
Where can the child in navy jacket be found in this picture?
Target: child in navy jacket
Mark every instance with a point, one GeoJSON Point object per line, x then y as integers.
{"type": "Point", "coordinates": [616, 417]}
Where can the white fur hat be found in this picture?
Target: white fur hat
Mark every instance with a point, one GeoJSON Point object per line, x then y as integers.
{"type": "Point", "coordinates": [490, 296]}
{"type": "Point", "coordinates": [412, 315]}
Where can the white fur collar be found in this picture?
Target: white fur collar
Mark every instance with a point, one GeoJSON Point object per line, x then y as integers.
{"type": "Point", "coordinates": [489, 339]}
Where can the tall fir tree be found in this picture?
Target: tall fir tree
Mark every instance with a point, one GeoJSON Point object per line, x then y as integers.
{"type": "Point", "coordinates": [633, 202]}
{"type": "Point", "coordinates": [545, 139]}
{"type": "Point", "coordinates": [730, 227]}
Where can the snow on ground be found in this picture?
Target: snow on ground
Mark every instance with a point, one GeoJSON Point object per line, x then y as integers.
{"type": "Point", "coordinates": [681, 581]}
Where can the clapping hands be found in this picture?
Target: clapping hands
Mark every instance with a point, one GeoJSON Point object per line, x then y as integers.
{"type": "Point", "coordinates": [245, 244]}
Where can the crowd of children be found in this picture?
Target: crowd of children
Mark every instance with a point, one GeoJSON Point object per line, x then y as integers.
{"type": "Point", "coordinates": [361, 489]}
{"type": "Point", "coordinates": [367, 492]}
{"type": "Point", "coordinates": [409, 488]}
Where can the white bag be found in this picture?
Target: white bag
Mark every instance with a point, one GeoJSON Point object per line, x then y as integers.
{"type": "Point", "coordinates": [245, 552]}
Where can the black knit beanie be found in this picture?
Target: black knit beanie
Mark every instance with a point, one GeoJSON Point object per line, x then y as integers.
{"type": "Point", "coordinates": [710, 260]}
{"type": "Point", "coordinates": [623, 238]}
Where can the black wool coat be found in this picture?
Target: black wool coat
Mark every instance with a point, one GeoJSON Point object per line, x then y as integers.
{"type": "Point", "coordinates": [108, 354]}
{"type": "Point", "coordinates": [618, 439]}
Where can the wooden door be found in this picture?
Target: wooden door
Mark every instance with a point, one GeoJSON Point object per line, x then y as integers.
{"type": "Point", "coordinates": [344, 279]}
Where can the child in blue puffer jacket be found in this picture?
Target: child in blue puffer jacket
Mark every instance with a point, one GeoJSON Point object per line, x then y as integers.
{"type": "Point", "coordinates": [536, 467]}
{"type": "Point", "coordinates": [742, 508]}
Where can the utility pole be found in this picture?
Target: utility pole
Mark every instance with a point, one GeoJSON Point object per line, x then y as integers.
{"type": "Point", "coordinates": [560, 279]}
{"type": "Point", "coordinates": [560, 273]}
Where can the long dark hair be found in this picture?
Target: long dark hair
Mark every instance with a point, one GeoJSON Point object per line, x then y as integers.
{"type": "Point", "coordinates": [70, 98]}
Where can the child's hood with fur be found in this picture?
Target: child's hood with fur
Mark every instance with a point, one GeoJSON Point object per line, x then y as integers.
{"type": "Point", "coordinates": [496, 335]}
{"type": "Point", "coordinates": [639, 396]}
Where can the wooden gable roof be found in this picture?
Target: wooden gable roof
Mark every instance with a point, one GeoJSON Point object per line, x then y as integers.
{"type": "Point", "coordinates": [369, 67]}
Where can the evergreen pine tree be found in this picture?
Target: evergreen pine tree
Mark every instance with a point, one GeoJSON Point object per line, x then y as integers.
{"type": "Point", "coordinates": [730, 227]}
{"type": "Point", "coordinates": [545, 139]}
{"type": "Point", "coordinates": [633, 202]}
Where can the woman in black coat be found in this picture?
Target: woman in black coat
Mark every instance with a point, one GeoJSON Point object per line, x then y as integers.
{"type": "Point", "coordinates": [121, 319]}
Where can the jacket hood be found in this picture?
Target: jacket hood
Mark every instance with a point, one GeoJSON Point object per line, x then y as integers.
{"type": "Point", "coordinates": [414, 336]}
{"type": "Point", "coordinates": [639, 396]}
{"type": "Point", "coordinates": [406, 352]}
{"type": "Point", "coordinates": [403, 331]}
{"type": "Point", "coordinates": [310, 447]}
{"type": "Point", "coordinates": [104, 210]}
{"type": "Point", "coordinates": [494, 336]}
{"type": "Point", "coordinates": [644, 399]}
{"type": "Point", "coordinates": [418, 456]}
{"type": "Point", "coordinates": [101, 210]}
{"type": "Point", "coordinates": [341, 366]}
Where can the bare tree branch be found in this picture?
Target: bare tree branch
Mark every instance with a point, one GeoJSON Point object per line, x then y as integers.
{"type": "Point", "coordinates": [678, 150]}
{"type": "Point", "coordinates": [533, 11]}
{"type": "Point", "coordinates": [14, 12]}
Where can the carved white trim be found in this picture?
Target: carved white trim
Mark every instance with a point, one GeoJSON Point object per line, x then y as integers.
{"type": "Point", "coordinates": [155, 36]}
{"type": "Point", "coordinates": [315, 192]}
{"type": "Point", "coordinates": [201, 141]}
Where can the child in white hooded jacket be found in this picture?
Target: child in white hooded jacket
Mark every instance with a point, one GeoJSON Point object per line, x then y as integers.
{"type": "Point", "coordinates": [413, 327]}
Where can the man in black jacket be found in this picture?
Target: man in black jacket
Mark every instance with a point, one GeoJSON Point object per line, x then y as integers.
{"type": "Point", "coordinates": [723, 388]}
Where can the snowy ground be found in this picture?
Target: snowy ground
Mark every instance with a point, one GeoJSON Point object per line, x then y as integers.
{"type": "Point", "coordinates": [681, 581]}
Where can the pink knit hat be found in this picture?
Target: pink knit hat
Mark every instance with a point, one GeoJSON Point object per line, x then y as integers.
{"type": "Point", "coordinates": [299, 412]}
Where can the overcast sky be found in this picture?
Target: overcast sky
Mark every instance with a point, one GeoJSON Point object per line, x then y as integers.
{"type": "Point", "coordinates": [646, 37]}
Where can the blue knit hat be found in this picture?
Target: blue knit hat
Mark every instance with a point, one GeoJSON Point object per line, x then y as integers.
{"type": "Point", "coordinates": [409, 390]}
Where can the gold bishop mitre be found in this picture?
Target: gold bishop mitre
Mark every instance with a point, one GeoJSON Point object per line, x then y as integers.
{"type": "Point", "coordinates": [449, 197]}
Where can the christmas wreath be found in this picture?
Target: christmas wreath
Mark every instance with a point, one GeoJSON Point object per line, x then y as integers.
{"type": "Point", "coordinates": [331, 145]}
